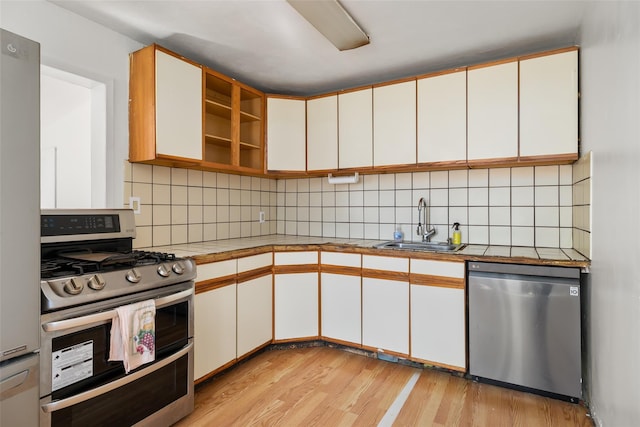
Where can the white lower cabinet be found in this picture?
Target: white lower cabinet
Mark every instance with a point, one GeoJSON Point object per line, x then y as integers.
{"type": "Point", "coordinates": [385, 314]}
{"type": "Point", "coordinates": [341, 309]}
{"type": "Point", "coordinates": [296, 305]}
{"type": "Point", "coordinates": [438, 313]}
{"type": "Point", "coordinates": [215, 329]}
{"type": "Point", "coordinates": [437, 325]}
{"type": "Point", "coordinates": [254, 314]}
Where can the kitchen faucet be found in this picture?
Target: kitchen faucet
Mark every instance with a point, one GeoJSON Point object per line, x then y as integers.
{"type": "Point", "coordinates": [424, 230]}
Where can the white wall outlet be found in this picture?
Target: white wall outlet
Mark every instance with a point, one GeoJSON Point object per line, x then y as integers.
{"type": "Point", "coordinates": [261, 217]}
{"type": "Point", "coordinates": [134, 203]}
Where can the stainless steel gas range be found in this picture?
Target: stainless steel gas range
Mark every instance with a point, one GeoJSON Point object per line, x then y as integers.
{"type": "Point", "coordinates": [88, 272]}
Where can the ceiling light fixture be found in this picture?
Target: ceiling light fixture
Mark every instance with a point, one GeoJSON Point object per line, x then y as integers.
{"type": "Point", "coordinates": [333, 22]}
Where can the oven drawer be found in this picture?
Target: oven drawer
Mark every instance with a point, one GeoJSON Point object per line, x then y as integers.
{"type": "Point", "coordinates": [156, 395]}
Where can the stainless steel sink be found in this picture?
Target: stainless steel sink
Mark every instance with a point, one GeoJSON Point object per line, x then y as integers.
{"type": "Point", "coordinates": [420, 246]}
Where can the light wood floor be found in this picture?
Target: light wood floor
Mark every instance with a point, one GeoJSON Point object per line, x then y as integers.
{"type": "Point", "coordinates": [323, 386]}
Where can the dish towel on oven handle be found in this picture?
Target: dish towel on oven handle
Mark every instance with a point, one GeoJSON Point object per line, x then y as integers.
{"type": "Point", "coordinates": [133, 334]}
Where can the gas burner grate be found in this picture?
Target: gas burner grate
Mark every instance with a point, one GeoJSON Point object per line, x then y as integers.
{"type": "Point", "coordinates": [81, 263]}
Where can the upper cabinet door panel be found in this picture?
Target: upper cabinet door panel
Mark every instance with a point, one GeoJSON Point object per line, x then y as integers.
{"type": "Point", "coordinates": [549, 105]}
{"type": "Point", "coordinates": [355, 129]}
{"type": "Point", "coordinates": [394, 124]}
{"type": "Point", "coordinates": [178, 107]}
{"type": "Point", "coordinates": [322, 133]}
{"type": "Point", "coordinates": [493, 112]}
{"type": "Point", "coordinates": [442, 118]}
{"type": "Point", "coordinates": [286, 134]}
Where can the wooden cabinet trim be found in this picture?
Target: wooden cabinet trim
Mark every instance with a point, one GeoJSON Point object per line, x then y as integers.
{"type": "Point", "coordinates": [441, 365]}
{"type": "Point", "coordinates": [292, 269]}
{"type": "Point", "coordinates": [209, 285]}
{"type": "Point", "coordinates": [393, 82]}
{"type": "Point", "coordinates": [339, 269]}
{"type": "Point", "coordinates": [437, 281]}
{"type": "Point", "coordinates": [548, 52]}
{"type": "Point", "coordinates": [441, 73]}
{"type": "Point", "coordinates": [142, 99]}
{"type": "Point", "coordinates": [245, 276]}
{"type": "Point", "coordinates": [385, 275]}
{"type": "Point", "coordinates": [492, 63]}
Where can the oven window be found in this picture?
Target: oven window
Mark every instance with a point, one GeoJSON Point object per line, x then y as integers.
{"type": "Point", "coordinates": [172, 334]}
{"type": "Point", "coordinates": [130, 403]}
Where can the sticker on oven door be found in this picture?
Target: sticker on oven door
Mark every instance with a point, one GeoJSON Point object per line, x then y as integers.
{"type": "Point", "coordinates": [71, 364]}
{"type": "Point", "coordinates": [574, 291]}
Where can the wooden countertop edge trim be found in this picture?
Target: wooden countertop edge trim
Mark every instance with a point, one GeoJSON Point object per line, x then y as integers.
{"type": "Point", "coordinates": [343, 247]}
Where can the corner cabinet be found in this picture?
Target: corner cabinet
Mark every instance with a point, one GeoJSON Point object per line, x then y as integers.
{"type": "Point", "coordinates": [322, 133]}
{"type": "Point", "coordinates": [165, 108]}
{"type": "Point", "coordinates": [183, 114]}
{"type": "Point", "coordinates": [286, 135]}
{"type": "Point", "coordinates": [295, 279]}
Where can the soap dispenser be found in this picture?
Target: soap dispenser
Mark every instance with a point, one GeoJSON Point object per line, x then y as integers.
{"type": "Point", "coordinates": [456, 239]}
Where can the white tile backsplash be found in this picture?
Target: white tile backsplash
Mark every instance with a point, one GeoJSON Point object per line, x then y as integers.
{"type": "Point", "coordinates": [545, 206]}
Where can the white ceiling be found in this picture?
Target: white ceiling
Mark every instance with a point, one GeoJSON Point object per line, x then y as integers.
{"type": "Point", "coordinates": [268, 45]}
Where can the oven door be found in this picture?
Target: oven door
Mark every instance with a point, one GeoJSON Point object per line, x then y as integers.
{"type": "Point", "coordinates": [80, 387]}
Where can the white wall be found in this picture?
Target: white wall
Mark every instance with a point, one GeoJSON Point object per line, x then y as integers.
{"type": "Point", "coordinates": [77, 45]}
{"type": "Point", "coordinates": [610, 122]}
{"type": "Point", "coordinates": [65, 117]}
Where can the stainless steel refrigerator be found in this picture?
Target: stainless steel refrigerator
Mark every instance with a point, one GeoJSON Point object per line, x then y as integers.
{"type": "Point", "coordinates": [19, 230]}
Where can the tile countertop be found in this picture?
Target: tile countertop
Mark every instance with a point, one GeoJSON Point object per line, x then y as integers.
{"type": "Point", "coordinates": [204, 251]}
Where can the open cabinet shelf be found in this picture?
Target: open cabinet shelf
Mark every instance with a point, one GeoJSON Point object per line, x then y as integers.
{"type": "Point", "coordinates": [234, 131]}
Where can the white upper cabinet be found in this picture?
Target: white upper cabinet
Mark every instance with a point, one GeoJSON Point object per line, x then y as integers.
{"type": "Point", "coordinates": [394, 124]}
{"type": "Point", "coordinates": [178, 107]}
{"type": "Point", "coordinates": [355, 129]}
{"type": "Point", "coordinates": [442, 118]}
{"type": "Point", "coordinates": [286, 134]}
{"type": "Point", "coordinates": [322, 133]}
{"type": "Point", "coordinates": [549, 105]}
{"type": "Point", "coordinates": [493, 112]}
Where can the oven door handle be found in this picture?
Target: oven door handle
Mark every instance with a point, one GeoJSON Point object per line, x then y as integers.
{"type": "Point", "coordinates": [90, 394]}
{"type": "Point", "coordinates": [104, 316]}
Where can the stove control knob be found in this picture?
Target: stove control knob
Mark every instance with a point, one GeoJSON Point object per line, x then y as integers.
{"type": "Point", "coordinates": [133, 276]}
{"type": "Point", "coordinates": [96, 282]}
{"type": "Point", "coordinates": [178, 268]}
{"type": "Point", "coordinates": [163, 270]}
{"type": "Point", "coordinates": [73, 286]}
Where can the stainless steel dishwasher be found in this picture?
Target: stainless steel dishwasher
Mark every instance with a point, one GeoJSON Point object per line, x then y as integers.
{"type": "Point", "coordinates": [524, 327]}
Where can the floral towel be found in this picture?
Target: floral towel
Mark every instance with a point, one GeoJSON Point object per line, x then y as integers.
{"type": "Point", "coordinates": [133, 333]}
